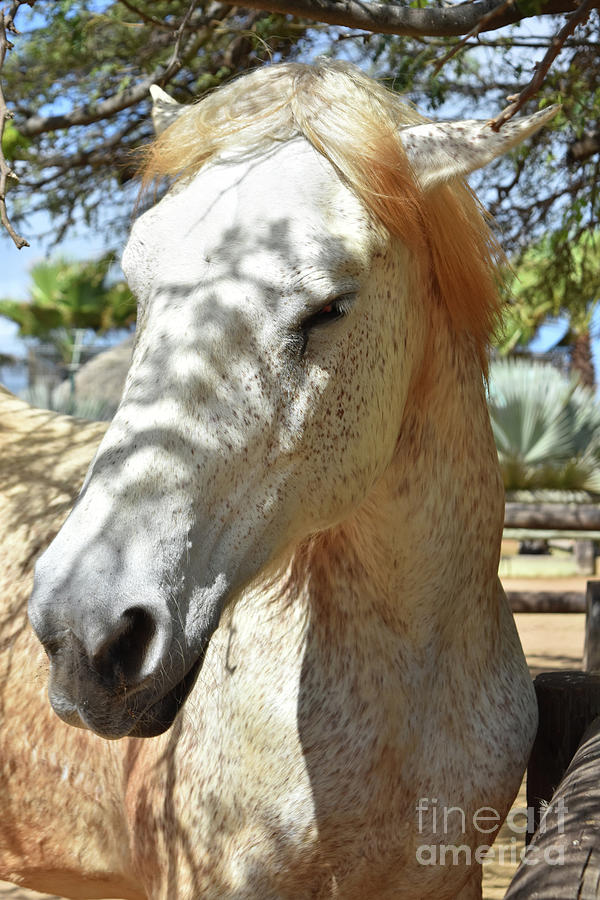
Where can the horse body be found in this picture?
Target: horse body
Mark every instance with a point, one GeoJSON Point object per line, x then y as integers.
{"type": "Point", "coordinates": [62, 826]}
{"type": "Point", "coordinates": [286, 547]}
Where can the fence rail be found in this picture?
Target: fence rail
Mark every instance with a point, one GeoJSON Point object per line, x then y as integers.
{"type": "Point", "coordinates": [556, 516]}
{"type": "Point", "coordinates": [546, 601]}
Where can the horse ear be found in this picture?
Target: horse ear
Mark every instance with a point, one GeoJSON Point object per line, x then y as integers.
{"type": "Point", "coordinates": [440, 151]}
{"type": "Point", "coordinates": [164, 109]}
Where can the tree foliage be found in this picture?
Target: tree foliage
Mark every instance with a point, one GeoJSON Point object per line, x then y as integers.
{"type": "Point", "coordinates": [71, 295]}
{"type": "Point", "coordinates": [542, 286]}
{"type": "Point", "coordinates": [78, 77]}
{"type": "Point", "coordinates": [548, 282]}
{"type": "Point", "coordinates": [78, 80]}
{"type": "Point", "coordinates": [548, 186]}
{"type": "Point", "coordinates": [543, 196]}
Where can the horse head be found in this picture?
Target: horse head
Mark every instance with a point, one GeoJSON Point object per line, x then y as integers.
{"type": "Point", "coordinates": [285, 284]}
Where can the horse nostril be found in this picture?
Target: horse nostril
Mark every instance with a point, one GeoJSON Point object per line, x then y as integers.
{"type": "Point", "coordinates": [52, 647]}
{"type": "Point", "coordinates": [122, 657]}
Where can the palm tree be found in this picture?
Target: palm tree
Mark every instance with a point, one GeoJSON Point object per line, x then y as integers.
{"type": "Point", "coordinates": [544, 286]}
{"type": "Point", "coordinates": [68, 301]}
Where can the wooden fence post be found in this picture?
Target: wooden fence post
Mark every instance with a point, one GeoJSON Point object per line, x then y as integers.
{"type": "Point", "coordinates": [570, 516]}
{"type": "Point", "coordinates": [591, 652]}
{"type": "Point", "coordinates": [585, 556]}
{"type": "Point", "coordinates": [546, 601]}
{"type": "Point", "coordinates": [568, 702]}
{"type": "Point", "coordinates": [562, 861]}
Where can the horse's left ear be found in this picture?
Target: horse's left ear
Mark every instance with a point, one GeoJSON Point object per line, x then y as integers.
{"type": "Point", "coordinates": [441, 151]}
{"type": "Point", "coordinates": [164, 109]}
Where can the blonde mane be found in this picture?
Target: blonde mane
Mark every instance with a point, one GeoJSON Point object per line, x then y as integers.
{"type": "Point", "coordinates": [356, 124]}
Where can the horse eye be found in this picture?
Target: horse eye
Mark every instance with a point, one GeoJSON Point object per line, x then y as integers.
{"type": "Point", "coordinates": [333, 310]}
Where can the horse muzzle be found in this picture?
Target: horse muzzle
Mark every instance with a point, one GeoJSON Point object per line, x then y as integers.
{"type": "Point", "coordinates": [82, 695]}
{"type": "Point", "coordinates": [117, 669]}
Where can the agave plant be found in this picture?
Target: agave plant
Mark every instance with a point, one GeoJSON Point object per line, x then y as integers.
{"type": "Point", "coordinates": [546, 427]}
{"type": "Point", "coordinates": [44, 395]}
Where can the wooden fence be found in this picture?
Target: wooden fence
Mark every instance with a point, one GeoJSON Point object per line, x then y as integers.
{"type": "Point", "coordinates": [579, 522]}
{"type": "Point", "coordinates": [562, 861]}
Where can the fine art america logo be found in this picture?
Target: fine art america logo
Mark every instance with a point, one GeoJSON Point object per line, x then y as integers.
{"type": "Point", "coordinates": [436, 823]}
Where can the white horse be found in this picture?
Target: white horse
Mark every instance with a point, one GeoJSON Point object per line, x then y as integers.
{"type": "Point", "coordinates": [294, 520]}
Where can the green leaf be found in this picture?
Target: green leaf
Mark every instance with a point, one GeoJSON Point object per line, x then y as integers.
{"type": "Point", "coordinates": [14, 144]}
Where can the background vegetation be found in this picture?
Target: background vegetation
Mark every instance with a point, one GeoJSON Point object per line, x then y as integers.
{"type": "Point", "coordinates": [546, 427]}
{"type": "Point", "coordinates": [76, 87]}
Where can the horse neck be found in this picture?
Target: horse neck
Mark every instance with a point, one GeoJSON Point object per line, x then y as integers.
{"type": "Point", "coordinates": [424, 545]}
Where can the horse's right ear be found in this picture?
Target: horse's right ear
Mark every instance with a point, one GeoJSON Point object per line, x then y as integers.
{"type": "Point", "coordinates": [440, 151]}
{"type": "Point", "coordinates": [164, 109]}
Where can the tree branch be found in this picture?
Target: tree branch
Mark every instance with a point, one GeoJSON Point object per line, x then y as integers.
{"type": "Point", "coordinates": [476, 30]}
{"type": "Point", "coordinates": [7, 19]}
{"type": "Point", "coordinates": [578, 17]}
{"type": "Point", "coordinates": [97, 155]}
{"type": "Point", "coordinates": [175, 62]}
{"type": "Point", "coordinates": [390, 18]}
{"type": "Point", "coordinates": [368, 15]}
{"type": "Point", "coordinates": [146, 17]}
{"type": "Point", "coordinates": [87, 115]}
{"type": "Point", "coordinates": [583, 149]}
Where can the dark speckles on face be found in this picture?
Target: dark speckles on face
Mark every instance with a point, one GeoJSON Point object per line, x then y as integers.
{"type": "Point", "coordinates": [439, 151]}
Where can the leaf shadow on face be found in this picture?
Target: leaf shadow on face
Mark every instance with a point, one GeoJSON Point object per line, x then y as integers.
{"type": "Point", "coordinates": [44, 458]}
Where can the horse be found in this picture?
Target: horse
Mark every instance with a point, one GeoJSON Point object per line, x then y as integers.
{"type": "Point", "coordinates": [282, 564]}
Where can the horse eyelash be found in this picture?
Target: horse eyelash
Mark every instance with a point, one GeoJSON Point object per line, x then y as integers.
{"type": "Point", "coordinates": [340, 307]}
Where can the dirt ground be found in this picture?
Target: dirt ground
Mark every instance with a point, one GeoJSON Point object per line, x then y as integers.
{"type": "Point", "coordinates": [550, 642]}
